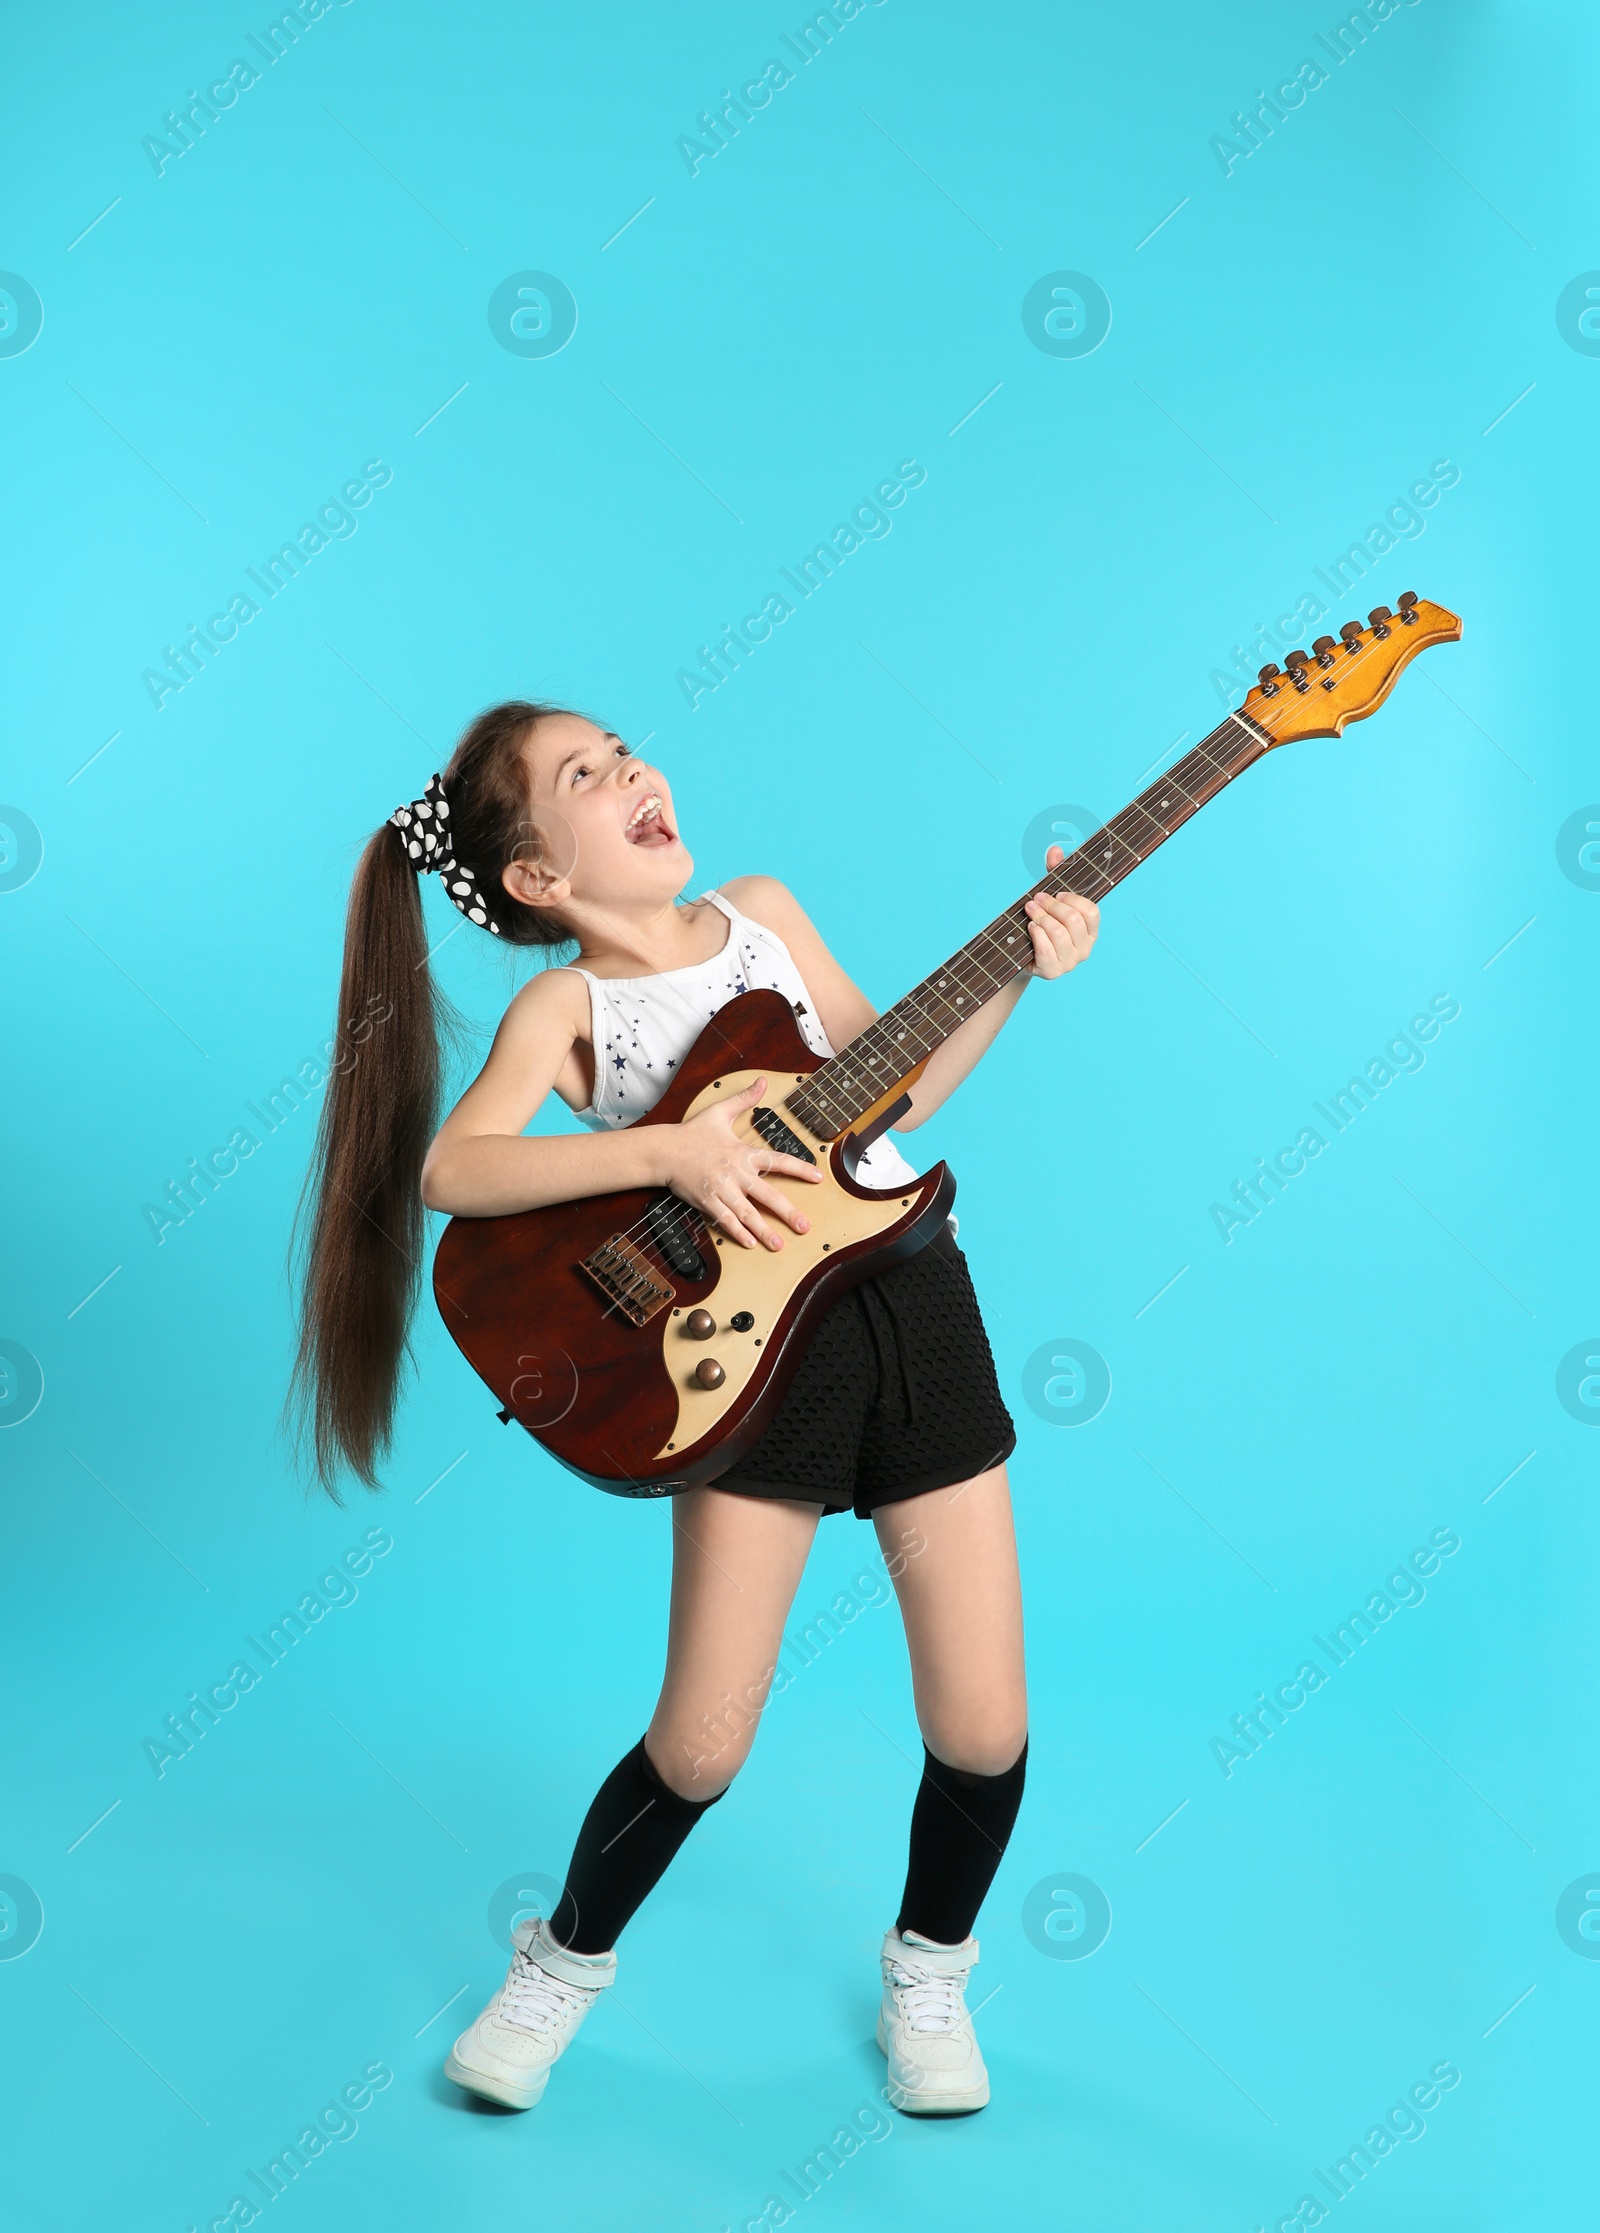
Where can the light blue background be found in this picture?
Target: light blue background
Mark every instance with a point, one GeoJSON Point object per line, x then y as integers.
{"type": "Point", "coordinates": [1370, 291]}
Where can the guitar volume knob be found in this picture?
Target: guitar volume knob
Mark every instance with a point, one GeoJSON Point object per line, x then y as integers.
{"type": "Point", "coordinates": [708, 1373]}
{"type": "Point", "coordinates": [699, 1325]}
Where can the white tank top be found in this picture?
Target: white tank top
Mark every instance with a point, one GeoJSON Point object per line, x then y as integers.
{"type": "Point", "coordinates": [644, 1026]}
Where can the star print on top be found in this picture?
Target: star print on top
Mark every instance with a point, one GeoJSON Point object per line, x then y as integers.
{"type": "Point", "coordinates": [644, 1026]}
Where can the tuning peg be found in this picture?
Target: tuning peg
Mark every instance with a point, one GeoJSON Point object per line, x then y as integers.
{"type": "Point", "coordinates": [1323, 647]}
{"type": "Point", "coordinates": [1407, 601]}
{"type": "Point", "coordinates": [1380, 616]}
{"type": "Point", "coordinates": [1269, 688]}
{"type": "Point", "coordinates": [1351, 632]}
{"type": "Point", "coordinates": [1297, 662]}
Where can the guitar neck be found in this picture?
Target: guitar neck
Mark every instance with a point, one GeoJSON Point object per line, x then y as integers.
{"type": "Point", "coordinates": [862, 1077]}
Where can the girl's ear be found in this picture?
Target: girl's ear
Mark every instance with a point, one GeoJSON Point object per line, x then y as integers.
{"type": "Point", "coordinates": [535, 885]}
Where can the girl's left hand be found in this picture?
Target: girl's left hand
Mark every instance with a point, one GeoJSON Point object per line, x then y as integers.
{"type": "Point", "coordinates": [1063, 927]}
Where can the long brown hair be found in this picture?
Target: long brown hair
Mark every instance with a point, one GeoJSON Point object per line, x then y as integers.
{"type": "Point", "coordinates": [361, 1225]}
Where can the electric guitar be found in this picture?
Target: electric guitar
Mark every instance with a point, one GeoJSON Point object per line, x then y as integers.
{"type": "Point", "coordinates": [645, 1351]}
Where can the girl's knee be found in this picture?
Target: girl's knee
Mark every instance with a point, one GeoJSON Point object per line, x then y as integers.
{"type": "Point", "coordinates": [698, 1739]}
{"type": "Point", "coordinates": [702, 1765]}
{"type": "Point", "coordinates": [985, 1746]}
{"type": "Point", "coordinates": [702, 1776]}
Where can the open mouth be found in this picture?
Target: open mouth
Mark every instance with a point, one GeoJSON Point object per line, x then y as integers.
{"type": "Point", "coordinates": [646, 825]}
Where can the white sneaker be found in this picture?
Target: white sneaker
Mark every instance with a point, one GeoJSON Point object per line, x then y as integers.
{"type": "Point", "coordinates": [507, 2054]}
{"type": "Point", "coordinates": [935, 2069]}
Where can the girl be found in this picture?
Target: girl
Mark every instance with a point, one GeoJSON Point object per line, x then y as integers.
{"type": "Point", "coordinates": [549, 831]}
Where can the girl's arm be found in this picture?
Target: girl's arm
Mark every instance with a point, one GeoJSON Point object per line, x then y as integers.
{"type": "Point", "coordinates": [480, 1165]}
{"type": "Point", "coordinates": [1063, 930]}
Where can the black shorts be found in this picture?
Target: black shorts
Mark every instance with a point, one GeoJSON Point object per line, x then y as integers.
{"type": "Point", "coordinates": [896, 1395]}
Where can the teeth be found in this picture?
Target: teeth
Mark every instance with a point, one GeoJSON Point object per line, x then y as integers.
{"type": "Point", "coordinates": [643, 811]}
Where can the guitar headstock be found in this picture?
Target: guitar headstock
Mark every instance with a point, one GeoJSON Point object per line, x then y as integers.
{"type": "Point", "coordinates": [1344, 678]}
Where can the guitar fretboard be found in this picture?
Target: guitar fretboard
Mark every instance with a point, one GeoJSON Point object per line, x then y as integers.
{"type": "Point", "coordinates": [872, 1066]}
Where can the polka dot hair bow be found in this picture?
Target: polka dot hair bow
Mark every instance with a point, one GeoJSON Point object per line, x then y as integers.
{"type": "Point", "coordinates": [425, 826]}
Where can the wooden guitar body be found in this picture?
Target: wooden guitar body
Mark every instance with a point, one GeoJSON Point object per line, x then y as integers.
{"type": "Point", "coordinates": [624, 1403]}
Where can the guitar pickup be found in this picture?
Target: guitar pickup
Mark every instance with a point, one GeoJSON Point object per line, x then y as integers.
{"type": "Point", "coordinates": [778, 1136]}
{"type": "Point", "coordinates": [667, 1231]}
{"type": "Point", "coordinates": [627, 1279]}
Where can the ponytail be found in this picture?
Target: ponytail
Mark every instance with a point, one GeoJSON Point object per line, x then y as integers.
{"type": "Point", "coordinates": [362, 1217]}
{"type": "Point", "coordinates": [361, 1227]}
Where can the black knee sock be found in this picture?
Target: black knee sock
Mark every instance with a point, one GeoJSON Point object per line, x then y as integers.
{"type": "Point", "coordinates": [634, 1826]}
{"type": "Point", "coordinates": [959, 1828]}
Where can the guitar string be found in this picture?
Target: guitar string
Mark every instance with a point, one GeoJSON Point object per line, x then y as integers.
{"type": "Point", "coordinates": [1077, 872]}
{"type": "Point", "coordinates": [854, 1066]}
{"type": "Point", "coordinates": [1229, 770]}
{"type": "Point", "coordinates": [850, 1069]}
{"type": "Point", "coordinates": [683, 1213]}
{"type": "Point", "coordinates": [639, 1234]}
{"type": "Point", "coordinates": [687, 1215]}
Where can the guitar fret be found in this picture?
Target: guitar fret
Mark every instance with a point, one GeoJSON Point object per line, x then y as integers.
{"type": "Point", "coordinates": [900, 1015]}
{"type": "Point", "coordinates": [1173, 782]}
{"type": "Point", "coordinates": [1197, 776]}
{"type": "Point", "coordinates": [1086, 874]}
{"type": "Point", "coordinates": [962, 998]}
{"type": "Point", "coordinates": [1170, 804]}
{"type": "Point", "coordinates": [913, 1000]}
{"type": "Point", "coordinates": [1107, 840]}
{"type": "Point", "coordinates": [1203, 751]}
{"type": "Point", "coordinates": [1147, 844]}
{"type": "Point", "coordinates": [817, 1092]}
{"type": "Point", "coordinates": [1250, 730]}
{"type": "Point", "coordinates": [877, 1059]}
{"type": "Point", "coordinates": [928, 1006]}
{"type": "Point", "coordinates": [1230, 756]}
{"type": "Point", "coordinates": [970, 957]}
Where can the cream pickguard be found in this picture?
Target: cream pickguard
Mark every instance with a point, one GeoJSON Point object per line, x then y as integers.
{"type": "Point", "coordinates": [760, 1281]}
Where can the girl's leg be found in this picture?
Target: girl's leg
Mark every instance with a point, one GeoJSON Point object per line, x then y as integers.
{"type": "Point", "coordinates": [952, 1555]}
{"type": "Point", "coordinates": [736, 1563]}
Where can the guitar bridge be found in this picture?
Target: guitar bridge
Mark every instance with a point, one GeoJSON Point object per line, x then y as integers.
{"type": "Point", "coordinates": [627, 1279]}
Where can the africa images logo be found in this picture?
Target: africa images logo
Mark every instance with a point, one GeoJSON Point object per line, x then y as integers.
{"type": "Point", "coordinates": [1066, 1383]}
{"type": "Point", "coordinates": [21, 315]}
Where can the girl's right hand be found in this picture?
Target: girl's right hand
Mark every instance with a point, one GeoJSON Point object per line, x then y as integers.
{"type": "Point", "coordinates": [726, 1177]}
